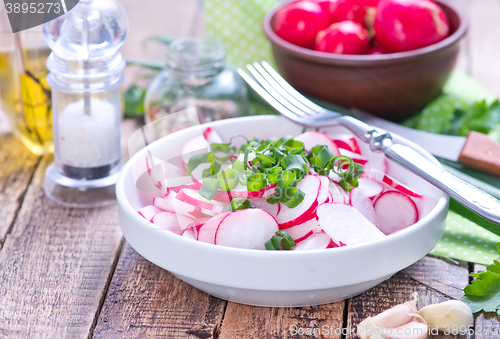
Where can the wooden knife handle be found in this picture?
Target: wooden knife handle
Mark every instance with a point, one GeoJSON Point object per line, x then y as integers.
{"type": "Point", "coordinates": [481, 153]}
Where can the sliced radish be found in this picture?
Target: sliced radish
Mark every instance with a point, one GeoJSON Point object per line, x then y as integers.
{"type": "Point", "coordinates": [168, 221]}
{"type": "Point", "coordinates": [211, 136]}
{"type": "Point", "coordinates": [192, 197]}
{"type": "Point", "coordinates": [370, 188]}
{"type": "Point", "coordinates": [347, 142]}
{"type": "Point", "coordinates": [197, 145]}
{"type": "Point", "coordinates": [394, 183]}
{"type": "Point", "coordinates": [148, 212]}
{"type": "Point", "coordinates": [323, 191]}
{"type": "Point", "coordinates": [357, 158]}
{"type": "Point", "coordinates": [313, 138]}
{"type": "Point", "coordinates": [149, 174]}
{"type": "Point", "coordinates": [377, 161]}
{"type": "Point", "coordinates": [176, 184]}
{"type": "Point", "coordinates": [363, 204]}
{"type": "Point", "coordinates": [206, 233]}
{"type": "Point", "coordinates": [301, 232]}
{"type": "Point", "coordinates": [189, 233]}
{"type": "Point", "coordinates": [395, 211]}
{"type": "Point", "coordinates": [289, 217]}
{"type": "Point", "coordinates": [317, 241]}
{"type": "Point", "coordinates": [165, 203]}
{"type": "Point", "coordinates": [262, 203]}
{"type": "Point", "coordinates": [338, 194]}
{"type": "Point", "coordinates": [248, 228]}
{"type": "Point", "coordinates": [346, 225]}
{"type": "Point", "coordinates": [334, 176]}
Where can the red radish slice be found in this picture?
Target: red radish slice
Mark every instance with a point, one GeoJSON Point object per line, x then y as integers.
{"type": "Point", "coordinates": [317, 241]}
{"type": "Point", "coordinates": [211, 136]}
{"type": "Point", "coordinates": [362, 203]}
{"type": "Point", "coordinates": [338, 194]}
{"type": "Point", "coordinates": [176, 184]}
{"type": "Point", "coordinates": [148, 212]}
{"type": "Point", "coordinates": [376, 161]}
{"type": "Point", "coordinates": [194, 198]}
{"type": "Point", "coordinates": [344, 223]}
{"type": "Point", "coordinates": [354, 156]}
{"type": "Point", "coordinates": [334, 177]}
{"type": "Point", "coordinates": [301, 232]}
{"type": "Point", "coordinates": [323, 191]}
{"type": "Point", "coordinates": [168, 221]}
{"type": "Point", "coordinates": [394, 183]}
{"type": "Point", "coordinates": [206, 233]}
{"type": "Point", "coordinates": [395, 211]}
{"type": "Point", "coordinates": [189, 233]}
{"type": "Point", "coordinates": [289, 217]}
{"type": "Point", "coordinates": [165, 203]}
{"type": "Point", "coordinates": [313, 138]}
{"type": "Point", "coordinates": [262, 203]}
{"type": "Point", "coordinates": [330, 196]}
{"type": "Point", "coordinates": [197, 145]}
{"type": "Point", "coordinates": [248, 228]}
{"type": "Point", "coordinates": [370, 188]}
{"type": "Point", "coordinates": [347, 142]}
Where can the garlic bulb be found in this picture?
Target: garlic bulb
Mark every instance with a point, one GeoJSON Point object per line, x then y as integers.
{"type": "Point", "coordinates": [445, 315]}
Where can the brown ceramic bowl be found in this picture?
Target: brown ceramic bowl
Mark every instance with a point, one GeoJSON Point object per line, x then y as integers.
{"type": "Point", "coordinates": [393, 86]}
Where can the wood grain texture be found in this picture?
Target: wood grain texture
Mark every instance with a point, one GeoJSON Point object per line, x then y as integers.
{"type": "Point", "coordinates": [244, 321]}
{"type": "Point", "coordinates": [17, 166]}
{"type": "Point", "coordinates": [424, 277]}
{"type": "Point", "coordinates": [481, 153]}
{"type": "Point", "coordinates": [486, 325]}
{"type": "Point", "coordinates": [55, 266]}
{"type": "Point", "coordinates": [146, 301]}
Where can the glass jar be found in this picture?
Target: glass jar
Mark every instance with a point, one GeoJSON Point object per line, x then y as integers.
{"type": "Point", "coordinates": [195, 76]}
{"type": "Point", "coordinates": [24, 93]}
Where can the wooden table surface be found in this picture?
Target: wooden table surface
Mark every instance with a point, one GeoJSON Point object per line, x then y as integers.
{"type": "Point", "coordinates": [69, 273]}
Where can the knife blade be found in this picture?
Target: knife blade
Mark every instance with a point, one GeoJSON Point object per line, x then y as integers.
{"type": "Point", "coordinates": [475, 151]}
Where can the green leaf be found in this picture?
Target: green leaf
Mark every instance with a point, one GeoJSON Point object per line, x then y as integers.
{"type": "Point", "coordinates": [483, 294]}
{"type": "Point", "coordinates": [154, 65]}
{"type": "Point", "coordinates": [134, 101]}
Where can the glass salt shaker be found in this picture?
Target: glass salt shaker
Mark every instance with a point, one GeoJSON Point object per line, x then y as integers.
{"type": "Point", "coordinates": [196, 76]}
{"type": "Point", "coordinates": [86, 73]}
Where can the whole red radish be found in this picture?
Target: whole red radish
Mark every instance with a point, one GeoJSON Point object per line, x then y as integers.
{"type": "Point", "coordinates": [377, 49]}
{"type": "Point", "coordinates": [360, 11]}
{"type": "Point", "coordinates": [300, 22]}
{"type": "Point", "coordinates": [405, 25]}
{"type": "Point", "coordinates": [346, 37]}
{"type": "Point", "coordinates": [326, 6]}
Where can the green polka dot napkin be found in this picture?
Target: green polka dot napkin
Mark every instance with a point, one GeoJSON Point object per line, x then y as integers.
{"type": "Point", "coordinates": [238, 25]}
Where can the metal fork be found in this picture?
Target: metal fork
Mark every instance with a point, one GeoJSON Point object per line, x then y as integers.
{"type": "Point", "coordinates": [289, 102]}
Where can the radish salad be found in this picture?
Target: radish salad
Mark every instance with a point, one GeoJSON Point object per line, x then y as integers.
{"type": "Point", "coordinates": [306, 192]}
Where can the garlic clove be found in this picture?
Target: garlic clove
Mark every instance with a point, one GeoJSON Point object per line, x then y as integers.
{"type": "Point", "coordinates": [396, 316]}
{"type": "Point", "coordinates": [367, 329]}
{"type": "Point", "coordinates": [445, 315]}
{"type": "Point", "coordinates": [412, 330]}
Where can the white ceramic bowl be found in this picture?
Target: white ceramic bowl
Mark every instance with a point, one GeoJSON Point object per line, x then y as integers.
{"type": "Point", "coordinates": [276, 278]}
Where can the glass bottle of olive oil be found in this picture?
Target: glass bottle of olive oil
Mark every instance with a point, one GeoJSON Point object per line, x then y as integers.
{"type": "Point", "coordinates": [24, 94]}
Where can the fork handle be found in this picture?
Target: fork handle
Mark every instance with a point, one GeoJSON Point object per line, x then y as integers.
{"type": "Point", "coordinates": [471, 197]}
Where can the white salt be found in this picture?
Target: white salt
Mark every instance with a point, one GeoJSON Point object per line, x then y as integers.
{"type": "Point", "coordinates": [88, 140]}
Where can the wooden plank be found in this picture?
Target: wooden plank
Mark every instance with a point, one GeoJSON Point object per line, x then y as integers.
{"type": "Point", "coordinates": [483, 40]}
{"type": "Point", "coordinates": [146, 301]}
{"type": "Point", "coordinates": [433, 279]}
{"type": "Point", "coordinates": [17, 166]}
{"type": "Point", "coordinates": [55, 266]}
{"type": "Point", "coordinates": [486, 325]}
{"type": "Point", "coordinates": [243, 321]}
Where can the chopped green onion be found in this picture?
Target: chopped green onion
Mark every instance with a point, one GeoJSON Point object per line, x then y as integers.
{"type": "Point", "coordinates": [274, 174]}
{"type": "Point", "coordinates": [196, 160]}
{"type": "Point", "coordinates": [243, 177]}
{"type": "Point", "coordinates": [323, 156]}
{"type": "Point", "coordinates": [209, 188]}
{"type": "Point", "coordinates": [293, 145]}
{"type": "Point", "coordinates": [240, 204]}
{"type": "Point", "coordinates": [228, 179]}
{"type": "Point", "coordinates": [256, 182]}
{"type": "Point", "coordinates": [280, 241]}
{"type": "Point", "coordinates": [238, 165]}
{"type": "Point", "coordinates": [292, 197]}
